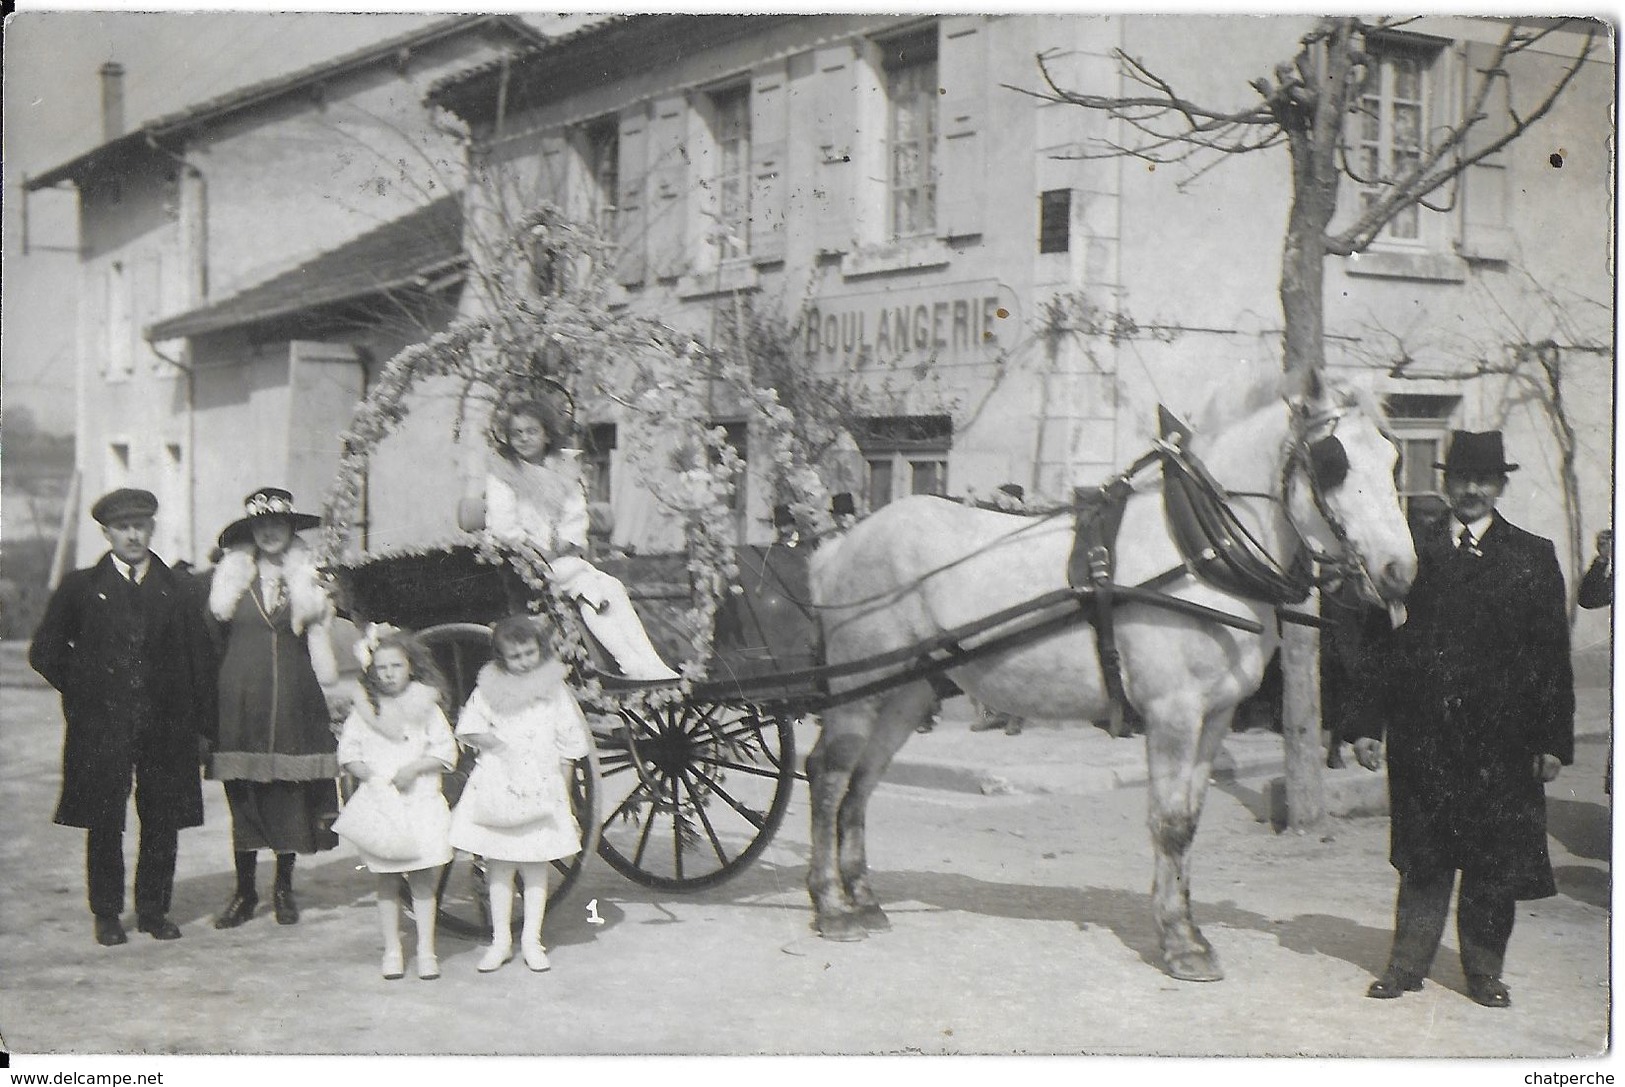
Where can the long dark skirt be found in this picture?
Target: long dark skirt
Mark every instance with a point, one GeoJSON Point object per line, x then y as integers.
{"type": "Point", "coordinates": [283, 816]}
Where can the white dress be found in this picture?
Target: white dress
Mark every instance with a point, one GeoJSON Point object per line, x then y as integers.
{"type": "Point", "coordinates": [407, 726]}
{"type": "Point", "coordinates": [539, 723]}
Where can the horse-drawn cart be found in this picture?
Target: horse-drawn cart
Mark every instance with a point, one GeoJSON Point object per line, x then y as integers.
{"type": "Point", "coordinates": [681, 790]}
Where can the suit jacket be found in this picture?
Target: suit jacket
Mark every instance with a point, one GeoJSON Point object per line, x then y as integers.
{"type": "Point", "coordinates": [135, 670]}
{"type": "Point", "coordinates": [1471, 689]}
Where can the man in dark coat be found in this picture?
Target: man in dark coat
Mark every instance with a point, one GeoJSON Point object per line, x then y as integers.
{"type": "Point", "coordinates": [1477, 696]}
{"type": "Point", "coordinates": [124, 643]}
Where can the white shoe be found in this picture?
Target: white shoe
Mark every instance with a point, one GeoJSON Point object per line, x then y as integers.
{"type": "Point", "coordinates": [495, 956]}
{"type": "Point", "coordinates": [536, 957]}
{"type": "Point", "coordinates": [428, 967]}
{"type": "Point", "coordinates": [394, 965]}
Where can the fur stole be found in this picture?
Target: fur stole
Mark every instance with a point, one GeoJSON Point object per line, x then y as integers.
{"type": "Point", "coordinates": [396, 715]}
{"type": "Point", "coordinates": [308, 605]}
{"type": "Point", "coordinates": [507, 693]}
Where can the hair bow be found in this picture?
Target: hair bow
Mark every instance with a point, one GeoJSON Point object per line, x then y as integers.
{"type": "Point", "coordinates": [370, 640]}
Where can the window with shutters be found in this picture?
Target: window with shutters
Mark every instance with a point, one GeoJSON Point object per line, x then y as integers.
{"type": "Point", "coordinates": [1393, 117]}
{"type": "Point", "coordinates": [730, 129]}
{"type": "Point", "coordinates": [910, 66]}
{"type": "Point", "coordinates": [602, 151]}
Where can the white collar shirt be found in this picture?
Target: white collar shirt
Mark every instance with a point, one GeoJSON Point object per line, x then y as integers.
{"type": "Point", "coordinates": [1477, 528]}
{"type": "Point", "coordinates": [133, 574]}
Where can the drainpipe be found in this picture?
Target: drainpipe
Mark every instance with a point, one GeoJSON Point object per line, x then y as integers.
{"type": "Point", "coordinates": [112, 74]}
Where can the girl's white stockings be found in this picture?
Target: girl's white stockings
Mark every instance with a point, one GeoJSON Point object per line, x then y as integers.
{"type": "Point", "coordinates": [499, 878]}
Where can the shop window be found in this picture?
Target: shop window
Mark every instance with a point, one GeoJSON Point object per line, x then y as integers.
{"type": "Point", "coordinates": [910, 66]}
{"type": "Point", "coordinates": [1421, 428]}
{"type": "Point", "coordinates": [903, 454]}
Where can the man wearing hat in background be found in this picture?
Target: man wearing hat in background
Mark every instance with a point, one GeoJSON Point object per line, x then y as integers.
{"type": "Point", "coordinates": [1477, 695]}
{"type": "Point", "coordinates": [124, 643]}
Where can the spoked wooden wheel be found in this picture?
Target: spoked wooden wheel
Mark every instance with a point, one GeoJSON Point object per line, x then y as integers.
{"type": "Point", "coordinates": [693, 792]}
{"type": "Point", "coordinates": [461, 649]}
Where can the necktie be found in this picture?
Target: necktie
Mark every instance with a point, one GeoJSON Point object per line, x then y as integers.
{"type": "Point", "coordinates": [1468, 544]}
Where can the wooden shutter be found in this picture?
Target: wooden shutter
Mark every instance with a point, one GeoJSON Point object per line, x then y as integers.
{"type": "Point", "coordinates": [631, 219]}
{"type": "Point", "coordinates": [962, 117]}
{"type": "Point", "coordinates": [834, 95]}
{"type": "Point", "coordinates": [769, 146]}
{"type": "Point", "coordinates": [668, 187]}
{"type": "Point", "coordinates": [1486, 233]}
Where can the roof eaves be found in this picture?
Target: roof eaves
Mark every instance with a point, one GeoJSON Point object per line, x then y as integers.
{"type": "Point", "coordinates": [213, 109]}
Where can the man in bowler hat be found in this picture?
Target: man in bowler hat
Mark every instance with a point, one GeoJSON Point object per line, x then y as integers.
{"type": "Point", "coordinates": [1477, 695]}
{"type": "Point", "coordinates": [124, 643]}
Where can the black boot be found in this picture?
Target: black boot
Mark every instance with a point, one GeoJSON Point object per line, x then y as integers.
{"type": "Point", "coordinates": [245, 898]}
{"type": "Point", "coordinates": [282, 901]}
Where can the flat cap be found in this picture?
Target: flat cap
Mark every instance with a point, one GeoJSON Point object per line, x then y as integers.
{"type": "Point", "coordinates": [122, 503]}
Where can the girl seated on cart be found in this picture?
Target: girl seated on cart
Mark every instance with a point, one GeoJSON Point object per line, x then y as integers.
{"type": "Point", "coordinates": [533, 493]}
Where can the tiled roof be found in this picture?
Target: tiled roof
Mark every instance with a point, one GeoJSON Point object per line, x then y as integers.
{"type": "Point", "coordinates": [213, 109]}
{"type": "Point", "coordinates": [594, 54]}
{"type": "Point", "coordinates": [468, 75]}
{"type": "Point", "coordinates": [396, 256]}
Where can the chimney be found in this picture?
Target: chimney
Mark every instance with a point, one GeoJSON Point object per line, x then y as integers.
{"type": "Point", "coordinates": [112, 101]}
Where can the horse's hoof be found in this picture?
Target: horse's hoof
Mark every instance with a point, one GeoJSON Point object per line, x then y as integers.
{"type": "Point", "coordinates": [841, 927]}
{"type": "Point", "coordinates": [1194, 966]}
{"type": "Point", "coordinates": [874, 919]}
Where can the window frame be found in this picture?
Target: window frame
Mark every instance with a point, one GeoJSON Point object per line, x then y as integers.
{"type": "Point", "coordinates": [1432, 101]}
{"type": "Point", "coordinates": [914, 57]}
{"type": "Point", "coordinates": [729, 175]}
{"type": "Point", "coordinates": [599, 145]}
{"type": "Point", "coordinates": [1414, 420]}
{"type": "Point", "coordinates": [900, 447]}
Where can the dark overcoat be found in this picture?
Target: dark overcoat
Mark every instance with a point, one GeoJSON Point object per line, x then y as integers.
{"type": "Point", "coordinates": [135, 670]}
{"type": "Point", "coordinates": [1473, 687]}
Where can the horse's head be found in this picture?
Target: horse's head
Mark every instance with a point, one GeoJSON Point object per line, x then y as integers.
{"type": "Point", "coordinates": [1340, 488]}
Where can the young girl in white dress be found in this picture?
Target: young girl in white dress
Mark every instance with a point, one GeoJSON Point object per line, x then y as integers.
{"type": "Point", "coordinates": [398, 734]}
{"type": "Point", "coordinates": [527, 727]}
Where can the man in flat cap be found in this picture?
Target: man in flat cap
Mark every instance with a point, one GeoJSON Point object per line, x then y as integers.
{"type": "Point", "coordinates": [124, 643]}
{"type": "Point", "coordinates": [1477, 695]}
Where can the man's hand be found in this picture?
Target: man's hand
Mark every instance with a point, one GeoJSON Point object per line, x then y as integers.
{"type": "Point", "coordinates": [1547, 766]}
{"type": "Point", "coordinates": [1368, 750]}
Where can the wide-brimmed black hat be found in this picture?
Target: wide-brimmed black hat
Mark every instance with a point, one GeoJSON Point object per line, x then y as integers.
{"type": "Point", "coordinates": [263, 503]}
{"type": "Point", "coordinates": [1475, 453]}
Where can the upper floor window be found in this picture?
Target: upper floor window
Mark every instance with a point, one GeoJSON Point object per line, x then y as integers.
{"type": "Point", "coordinates": [1393, 120]}
{"type": "Point", "coordinates": [603, 152]}
{"type": "Point", "coordinates": [910, 65]}
{"type": "Point", "coordinates": [730, 113]}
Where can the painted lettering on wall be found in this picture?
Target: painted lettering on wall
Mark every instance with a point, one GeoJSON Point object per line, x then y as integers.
{"type": "Point", "coordinates": [964, 321]}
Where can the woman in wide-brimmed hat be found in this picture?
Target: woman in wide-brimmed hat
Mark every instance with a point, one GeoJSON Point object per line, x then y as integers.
{"type": "Point", "coordinates": [276, 751]}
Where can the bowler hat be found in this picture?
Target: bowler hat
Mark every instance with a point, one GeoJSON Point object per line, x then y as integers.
{"type": "Point", "coordinates": [124, 503]}
{"type": "Point", "coordinates": [1475, 453]}
{"type": "Point", "coordinates": [262, 503]}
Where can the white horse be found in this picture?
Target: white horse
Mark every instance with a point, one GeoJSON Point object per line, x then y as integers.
{"type": "Point", "coordinates": [921, 566]}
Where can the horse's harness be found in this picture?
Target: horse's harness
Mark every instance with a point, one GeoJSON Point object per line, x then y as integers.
{"type": "Point", "coordinates": [1215, 545]}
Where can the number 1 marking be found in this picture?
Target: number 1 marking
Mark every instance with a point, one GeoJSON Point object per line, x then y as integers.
{"type": "Point", "coordinates": [592, 913]}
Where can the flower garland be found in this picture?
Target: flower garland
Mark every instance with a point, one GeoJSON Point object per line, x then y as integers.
{"type": "Point", "coordinates": [664, 384]}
